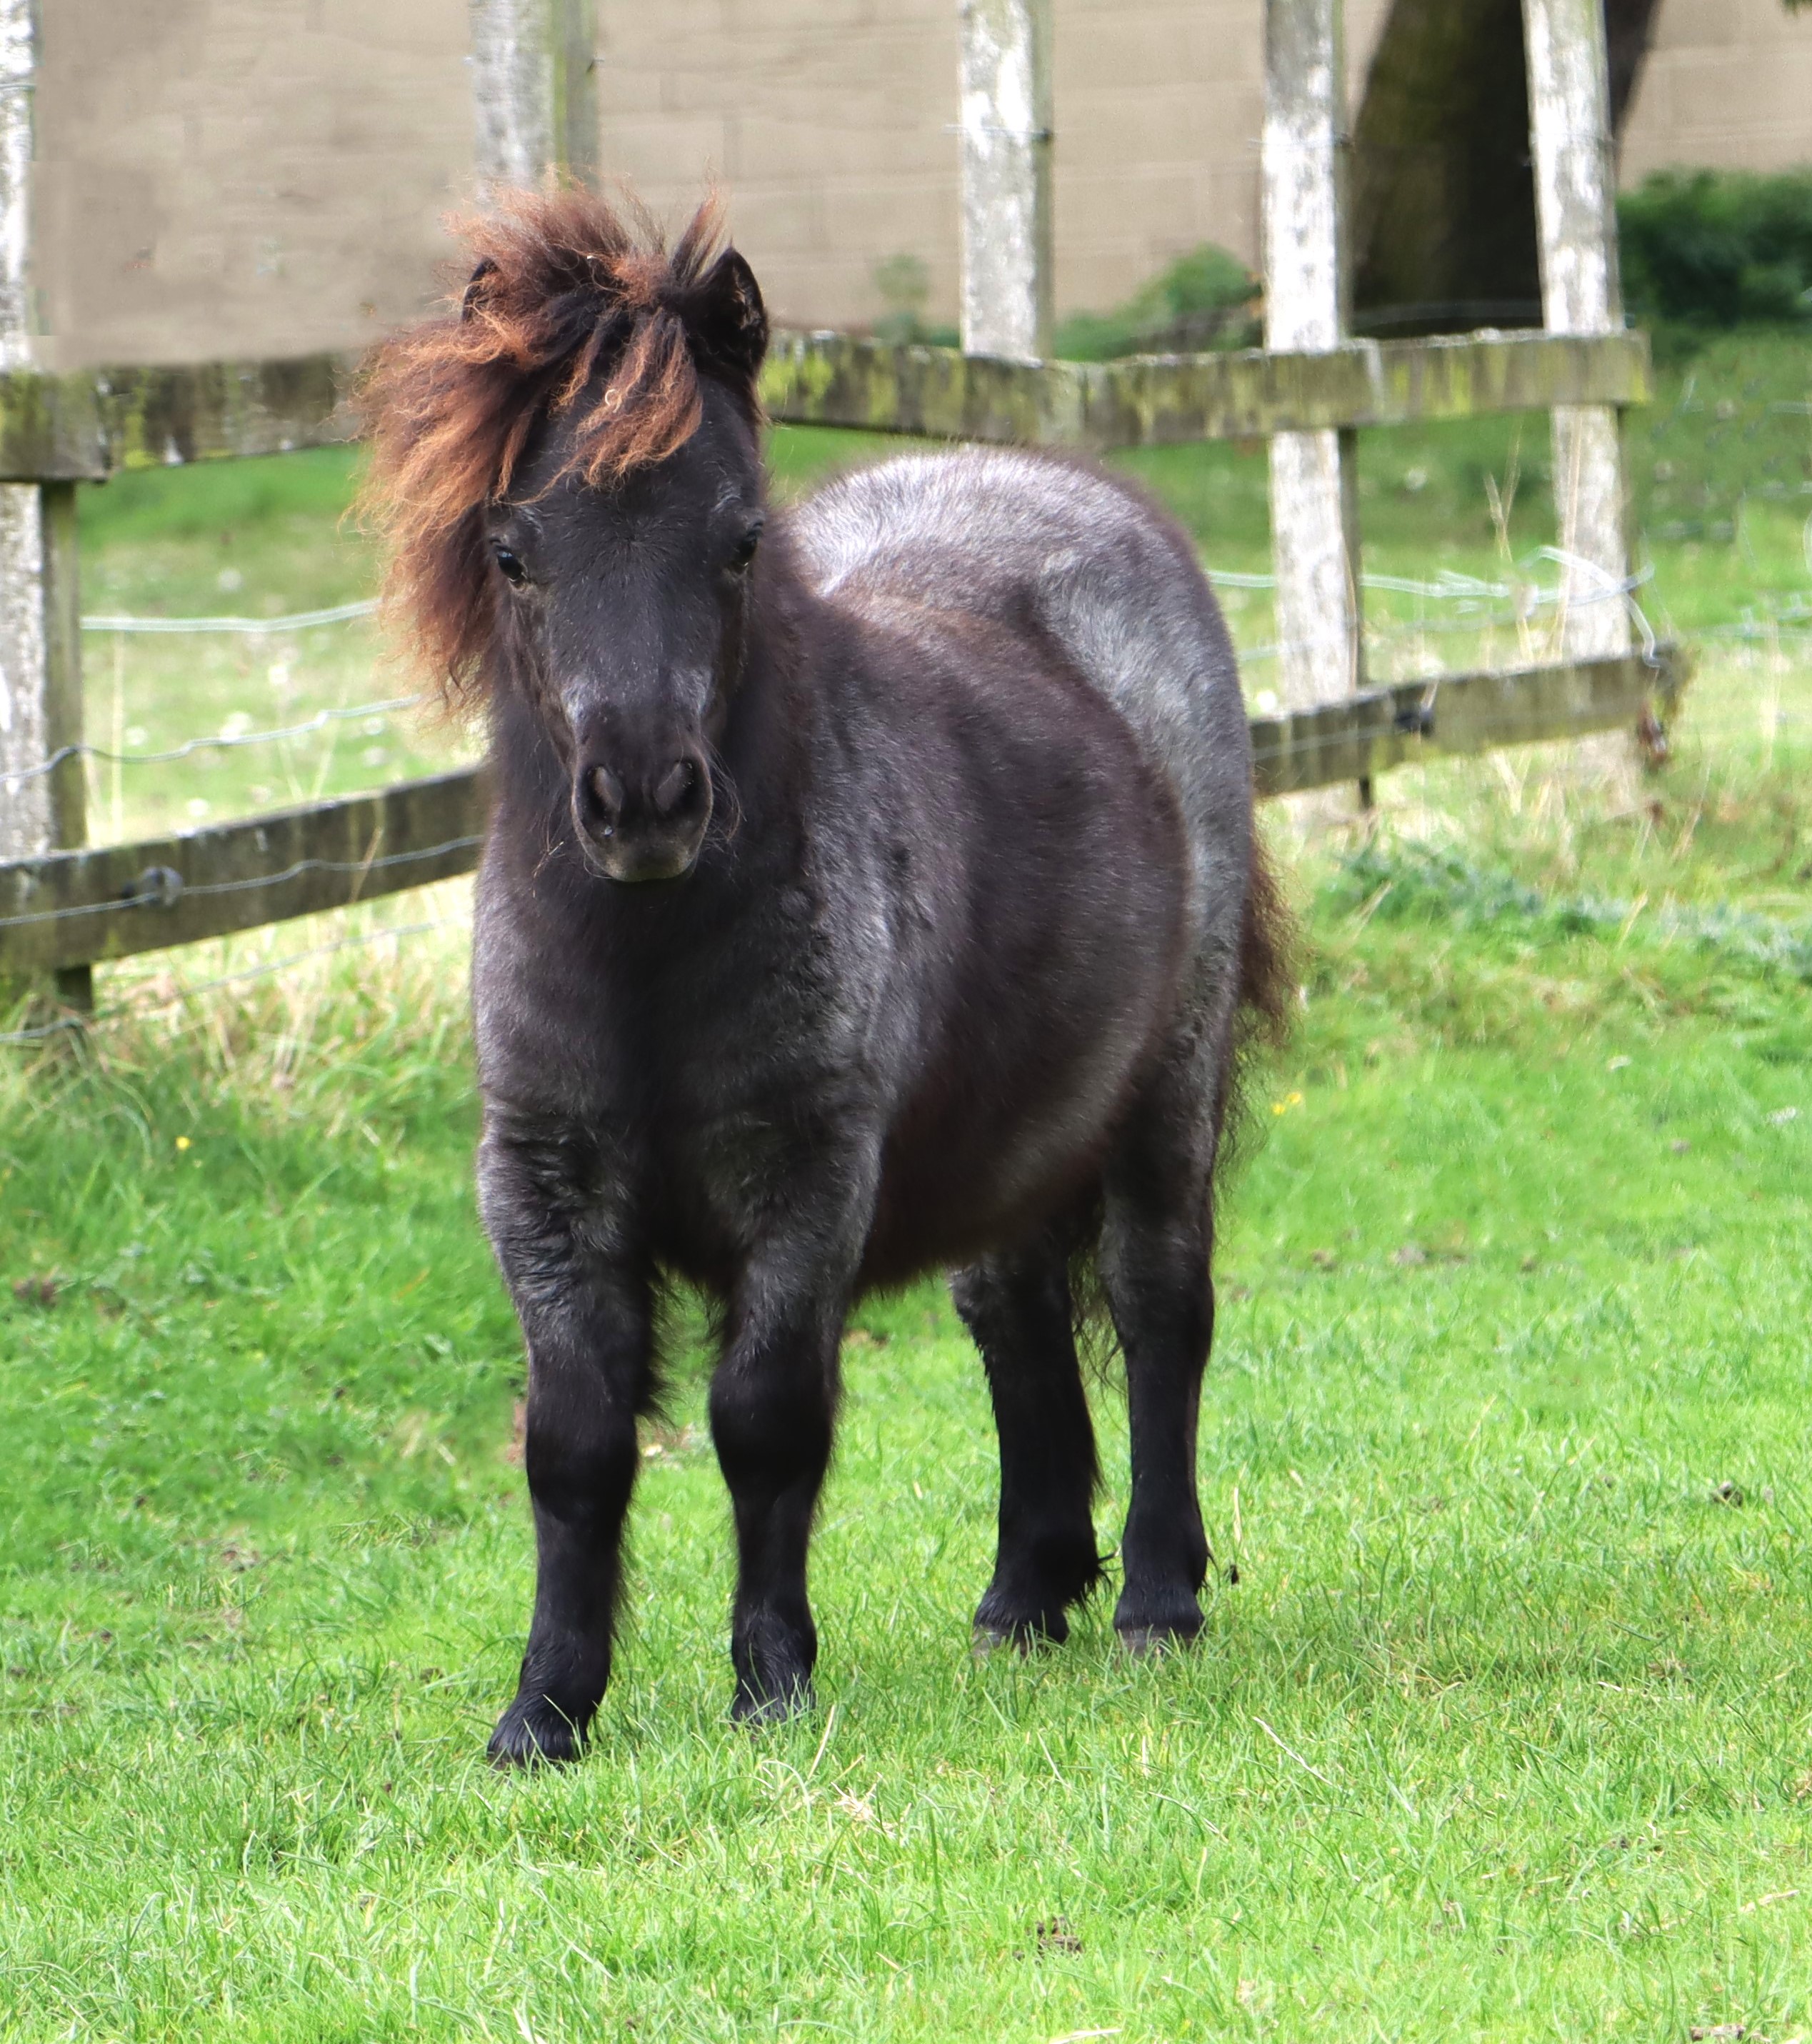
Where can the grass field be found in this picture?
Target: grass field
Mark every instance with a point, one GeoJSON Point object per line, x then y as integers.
{"type": "Point", "coordinates": [1505, 1731]}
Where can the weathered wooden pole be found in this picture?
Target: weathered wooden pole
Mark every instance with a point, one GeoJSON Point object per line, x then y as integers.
{"type": "Point", "coordinates": [1314, 521]}
{"type": "Point", "coordinates": [534, 90]}
{"type": "Point", "coordinates": [1004, 84]}
{"type": "Point", "coordinates": [40, 642]}
{"type": "Point", "coordinates": [1575, 200]}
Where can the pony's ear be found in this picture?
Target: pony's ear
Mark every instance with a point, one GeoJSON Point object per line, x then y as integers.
{"type": "Point", "coordinates": [469, 304]}
{"type": "Point", "coordinates": [727, 321]}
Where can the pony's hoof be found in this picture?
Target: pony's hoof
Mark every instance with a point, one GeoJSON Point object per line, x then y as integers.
{"type": "Point", "coordinates": [533, 1733]}
{"type": "Point", "coordinates": [1145, 1643]}
{"type": "Point", "coordinates": [1023, 1639]}
{"type": "Point", "coordinates": [798, 1700]}
{"type": "Point", "coordinates": [1002, 1620]}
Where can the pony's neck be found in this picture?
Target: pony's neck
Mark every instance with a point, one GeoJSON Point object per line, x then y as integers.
{"type": "Point", "coordinates": [766, 747]}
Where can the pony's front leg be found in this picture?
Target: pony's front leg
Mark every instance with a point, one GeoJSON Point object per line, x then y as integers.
{"type": "Point", "coordinates": [773, 1406]}
{"type": "Point", "coordinates": [583, 1303]}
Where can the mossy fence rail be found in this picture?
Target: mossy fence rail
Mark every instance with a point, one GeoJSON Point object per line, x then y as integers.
{"type": "Point", "coordinates": [64, 908]}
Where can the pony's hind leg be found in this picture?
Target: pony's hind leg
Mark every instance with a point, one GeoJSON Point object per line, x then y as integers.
{"type": "Point", "coordinates": [1156, 1251]}
{"type": "Point", "coordinates": [1016, 1306]}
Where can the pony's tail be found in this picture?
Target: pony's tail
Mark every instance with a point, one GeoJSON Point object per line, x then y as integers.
{"type": "Point", "coordinates": [1268, 945]}
{"type": "Point", "coordinates": [1265, 1002]}
{"type": "Point", "coordinates": [1264, 1007]}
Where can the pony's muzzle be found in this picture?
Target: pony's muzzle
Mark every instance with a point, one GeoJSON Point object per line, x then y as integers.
{"type": "Point", "coordinates": [646, 824]}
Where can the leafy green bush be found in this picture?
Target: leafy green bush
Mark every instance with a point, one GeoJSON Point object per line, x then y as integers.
{"type": "Point", "coordinates": [904, 283]}
{"type": "Point", "coordinates": [1713, 247]}
{"type": "Point", "coordinates": [1205, 299]}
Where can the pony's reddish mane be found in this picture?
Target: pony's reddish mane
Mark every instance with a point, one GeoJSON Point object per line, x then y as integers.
{"type": "Point", "coordinates": [562, 288]}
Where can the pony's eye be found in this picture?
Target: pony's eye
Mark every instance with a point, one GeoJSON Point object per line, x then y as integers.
{"type": "Point", "coordinates": [510, 567]}
{"type": "Point", "coordinates": [744, 551]}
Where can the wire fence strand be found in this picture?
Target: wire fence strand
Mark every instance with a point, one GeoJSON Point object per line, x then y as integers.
{"type": "Point", "coordinates": [256, 628]}
{"type": "Point", "coordinates": [221, 741]}
{"type": "Point", "coordinates": [1526, 600]}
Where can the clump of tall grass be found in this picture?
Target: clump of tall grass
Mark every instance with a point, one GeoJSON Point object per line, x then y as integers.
{"type": "Point", "coordinates": [317, 1020]}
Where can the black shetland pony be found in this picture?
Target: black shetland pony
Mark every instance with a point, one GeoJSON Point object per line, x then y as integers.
{"type": "Point", "coordinates": [870, 889]}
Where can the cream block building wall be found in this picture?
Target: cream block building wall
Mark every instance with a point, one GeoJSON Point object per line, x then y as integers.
{"type": "Point", "coordinates": [222, 176]}
{"type": "Point", "coordinates": [1727, 83]}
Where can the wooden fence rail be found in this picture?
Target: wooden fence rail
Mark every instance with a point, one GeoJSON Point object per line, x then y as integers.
{"type": "Point", "coordinates": [86, 426]}
{"type": "Point", "coordinates": [69, 909]}
{"type": "Point", "coordinates": [79, 908]}
{"type": "Point", "coordinates": [834, 379]}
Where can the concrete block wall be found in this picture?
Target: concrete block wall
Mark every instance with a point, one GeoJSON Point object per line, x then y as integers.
{"type": "Point", "coordinates": [222, 176]}
{"type": "Point", "coordinates": [825, 121]}
{"type": "Point", "coordinates": [1727, 83]}
{"type": "Point", "coordinates": [831, 124]}
{"type": "Point", "coordinates": [1159, 108]}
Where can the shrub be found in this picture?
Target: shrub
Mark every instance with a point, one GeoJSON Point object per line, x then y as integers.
{"type": "Point", "coordinates": [1713, 247]}
{"type": "Point", "coordinates": [904, 284]}
{"type": "Point", "coordinates": [1205, 299]}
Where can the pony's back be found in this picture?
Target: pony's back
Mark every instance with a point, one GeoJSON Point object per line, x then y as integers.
{"type": "Point", "coordinates": [1060, 549]}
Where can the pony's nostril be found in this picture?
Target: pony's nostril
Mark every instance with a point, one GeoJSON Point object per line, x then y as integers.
{"type": "Point", "coordinates": [603, 794]}
{"type": "Point", "coordinates": [676, 786]}
{"type": "Point", "coordinates": [671, 800]}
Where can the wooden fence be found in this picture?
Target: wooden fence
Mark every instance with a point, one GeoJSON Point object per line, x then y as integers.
{"type": "Point", "coordinates": [63, 907]}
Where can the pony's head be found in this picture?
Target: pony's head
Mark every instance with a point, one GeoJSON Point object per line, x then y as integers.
{"type": "Point", "coordinates": [567, 469]}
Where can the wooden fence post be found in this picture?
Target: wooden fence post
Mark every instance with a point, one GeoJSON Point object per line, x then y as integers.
{"type": "Point", "coordinates": [1004, 84]}
{"type": "Point", "coordinates": [534, 90]}
{"type": "Point", "coordinates": [40, 637]}
{"type": "Point", "coordinates": [1314, 512]}
{"type": "Point", "coordinates": [1575, 199]}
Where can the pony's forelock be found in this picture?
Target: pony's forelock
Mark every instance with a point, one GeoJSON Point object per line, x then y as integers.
{"type": "Point", "coordinates": [559, 286]}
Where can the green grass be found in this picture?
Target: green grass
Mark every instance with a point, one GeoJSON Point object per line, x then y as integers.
{"type": "Point", "coordinates": [1505, 1731]}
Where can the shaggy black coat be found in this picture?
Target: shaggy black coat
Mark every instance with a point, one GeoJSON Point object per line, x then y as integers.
{"type": "Point", "coordinates": [870, 888]}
